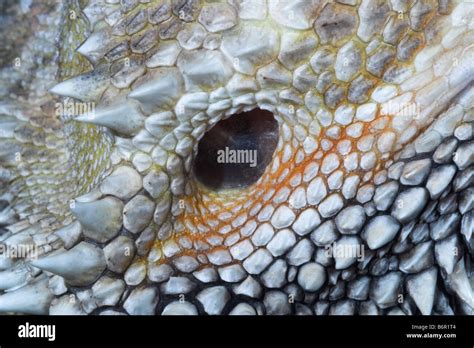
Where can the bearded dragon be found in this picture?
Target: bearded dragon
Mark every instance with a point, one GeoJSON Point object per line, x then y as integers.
{"type": "Point", "coordinates": [364, 111]}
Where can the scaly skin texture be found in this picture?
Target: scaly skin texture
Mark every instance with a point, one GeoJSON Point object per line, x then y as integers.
{"type": "Point", "coordinates": [103, 107]}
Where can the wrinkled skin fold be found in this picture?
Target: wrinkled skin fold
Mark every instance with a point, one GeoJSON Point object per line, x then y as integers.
{"type": "Point", "coordinates": [365, 206]}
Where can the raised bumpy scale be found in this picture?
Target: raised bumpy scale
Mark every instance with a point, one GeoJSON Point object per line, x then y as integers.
{"type": "Point", "coordinates": [103, 107]}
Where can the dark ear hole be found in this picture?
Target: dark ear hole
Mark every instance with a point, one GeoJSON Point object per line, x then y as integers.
{"type": "Point", "coordinates": [236, 151]}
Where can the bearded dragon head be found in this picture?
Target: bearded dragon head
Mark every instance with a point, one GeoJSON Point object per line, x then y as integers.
{"type": "Point", "coordinates": [303, 156]}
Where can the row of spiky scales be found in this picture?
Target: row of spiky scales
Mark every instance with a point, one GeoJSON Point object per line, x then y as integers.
{"type": "Point", "coordinates": [42, 153]}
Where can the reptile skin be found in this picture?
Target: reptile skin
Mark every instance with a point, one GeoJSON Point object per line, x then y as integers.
{"type": "Point", "coordinates": [364, 207]}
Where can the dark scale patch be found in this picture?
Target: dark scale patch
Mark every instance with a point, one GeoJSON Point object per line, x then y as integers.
{"type": "Point", "coordinates": [336, 23]}
{"type": "Point", "coordinates": [159, 13]}
{"type": "Point", "coordinates": [409, 45]}
{"type": "Point", "coordinates": [445, 7]}
{"type": "Point", "coordinates": [334, 96]}
{"type": "Point", "coordinates": [395, 28]}
{"type": "Point", "coordinates": [186, 10]}
{"type": "Point", "coordinates": [420, 14]}
{"type": "Point", "coordinates": [128, 5]}
{"type": "Point", "coordinates": [170, 28]}
{"type": "Point", "coordinates": [359, 89]}
{"type": "Point", "coordinates": [383, 57]}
